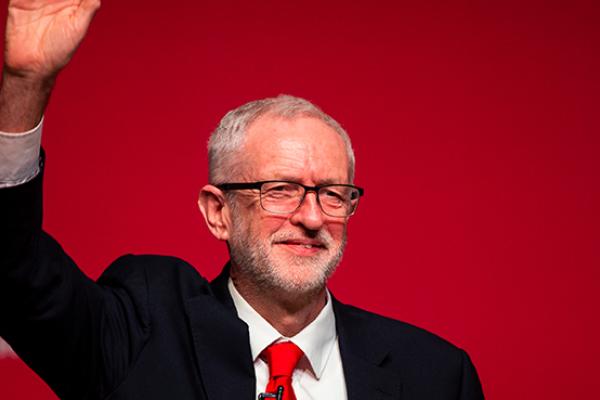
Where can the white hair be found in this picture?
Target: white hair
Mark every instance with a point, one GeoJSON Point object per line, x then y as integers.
{"type": "Point", "coordinates": [228, 138]}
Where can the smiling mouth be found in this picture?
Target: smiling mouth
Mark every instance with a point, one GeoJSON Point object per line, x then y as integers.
{"type": "Point", "coordinates": [304, 246]}
{"type": "Point", "coordinates": [307, 245]}
{"type": "Point", "coordinates": [301, 246]}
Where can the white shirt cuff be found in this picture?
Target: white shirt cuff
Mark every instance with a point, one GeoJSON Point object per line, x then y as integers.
{"type": "Point", "coordinates": [19, 156]}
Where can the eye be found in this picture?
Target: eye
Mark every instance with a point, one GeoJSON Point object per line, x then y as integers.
{"type": "Point", "coordinates": [280, 190]}
{"type": "Point", "coordinates": [339, 196]}
{"type": "Point", "coordinates": [334, 196]}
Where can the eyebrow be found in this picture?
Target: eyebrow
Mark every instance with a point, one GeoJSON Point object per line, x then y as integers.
{"type": "Point", "coordinates": [293, 179]}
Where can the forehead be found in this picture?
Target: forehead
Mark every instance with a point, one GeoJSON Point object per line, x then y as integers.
{"type": "Point", "coordinates": [304, 149]}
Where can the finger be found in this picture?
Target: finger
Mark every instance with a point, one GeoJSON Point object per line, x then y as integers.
{"type": "Point", "coordinates": [85, 13]}
{"type": "Point", "coordinates": [88, 8]}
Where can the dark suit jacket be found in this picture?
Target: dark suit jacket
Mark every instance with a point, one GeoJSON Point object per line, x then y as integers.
{"type": "Point", "coordinates": [152, 328]}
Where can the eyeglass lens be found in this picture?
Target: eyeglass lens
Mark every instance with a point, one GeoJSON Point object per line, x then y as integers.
{"type": "Point", "coordinates": [286, 197]}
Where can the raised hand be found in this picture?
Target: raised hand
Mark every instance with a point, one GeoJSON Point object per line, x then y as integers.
{"type": "Point", "coordinates": [41, 37]}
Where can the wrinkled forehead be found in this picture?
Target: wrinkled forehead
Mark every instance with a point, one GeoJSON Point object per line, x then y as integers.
{"type": "Point", "coordinates": [299, 148]}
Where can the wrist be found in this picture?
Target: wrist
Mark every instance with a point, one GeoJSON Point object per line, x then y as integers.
{"type": "Point", "coordinates": [26, 83]}
{"type": "Point", "coordinates": [23, 100]}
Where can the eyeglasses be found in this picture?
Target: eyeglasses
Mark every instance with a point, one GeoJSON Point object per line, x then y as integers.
{"type": "Point", "coordinates": [285, 197]}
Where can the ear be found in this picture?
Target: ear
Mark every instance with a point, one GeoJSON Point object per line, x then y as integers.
{"type": "Point", "coordinates": [216, 213]}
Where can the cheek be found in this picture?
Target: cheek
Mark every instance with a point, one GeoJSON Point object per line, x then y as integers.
{"type": "Point", "coordinates": [336, 230]}
{"type": "Point", "coordinates": [269, 224]}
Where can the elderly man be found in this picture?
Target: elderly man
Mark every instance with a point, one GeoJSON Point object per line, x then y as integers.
{"type": "Point", "coordinates": [280, 196]}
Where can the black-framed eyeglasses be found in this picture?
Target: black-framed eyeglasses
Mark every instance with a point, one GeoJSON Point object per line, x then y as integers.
{"type": "Point", "coordinates": [285, 197]}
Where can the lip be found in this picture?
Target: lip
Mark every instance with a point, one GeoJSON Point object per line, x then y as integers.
{"type": "Point", "coordinates": [302, 247]}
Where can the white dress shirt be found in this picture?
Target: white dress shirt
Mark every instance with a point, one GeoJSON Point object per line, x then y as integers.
{"type": "Point", "coordinates": [319, 374]}
{"type": "Point", "coordinates": [19, 156]}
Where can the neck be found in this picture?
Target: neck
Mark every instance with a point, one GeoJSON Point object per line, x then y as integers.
{"type": "Point", "coordinates": [288, 313]}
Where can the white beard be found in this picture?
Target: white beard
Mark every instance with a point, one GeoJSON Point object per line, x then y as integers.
{"type": "Point", "coordinates": [285, 272]}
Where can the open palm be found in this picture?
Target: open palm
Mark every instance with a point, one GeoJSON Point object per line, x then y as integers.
{"type": "Point", "coordinates": [42, 35]}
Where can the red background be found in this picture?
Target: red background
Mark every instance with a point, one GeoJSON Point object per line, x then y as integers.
{"type": "Point", "coordinates": [475, 127]}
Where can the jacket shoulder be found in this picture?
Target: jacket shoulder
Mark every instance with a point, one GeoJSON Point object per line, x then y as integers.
{"type": "Point", "coordinates": [151, 281]}
{"type": "Point", "coordinates": [427, 365]}
{"type": "Point", "coordinates": [402, 339]}
{"type": "Point", "coordinates": [130, 266]}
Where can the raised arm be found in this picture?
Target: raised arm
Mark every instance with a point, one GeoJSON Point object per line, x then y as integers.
{"type": "Point", "coordinates": [41, 37]}
{"type": "Point", "coordinates": [79, 336]}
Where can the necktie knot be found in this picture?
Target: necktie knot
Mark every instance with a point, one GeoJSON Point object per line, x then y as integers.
{"type": "Point", "coordinates": [282, 359]}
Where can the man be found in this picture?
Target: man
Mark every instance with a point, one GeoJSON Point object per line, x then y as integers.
{"type": "Point", "coordinates": [280, 195]}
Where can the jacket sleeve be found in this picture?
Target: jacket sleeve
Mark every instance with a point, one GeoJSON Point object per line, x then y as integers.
{"type": "Point", "coordinates": [470, 384]}
{"type": "Point", "coordinates": [60, 322]}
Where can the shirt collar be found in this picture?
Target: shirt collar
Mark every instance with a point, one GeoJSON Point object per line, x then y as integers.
{"type": "Point", "coordinates": [316, 340]}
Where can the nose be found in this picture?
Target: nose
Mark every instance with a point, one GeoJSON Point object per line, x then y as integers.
{"type": "Point", "coordinates": [309, 214]}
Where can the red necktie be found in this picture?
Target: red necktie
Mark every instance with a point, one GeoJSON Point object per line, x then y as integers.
{"type": "Point", "coordinates": [282, 359]}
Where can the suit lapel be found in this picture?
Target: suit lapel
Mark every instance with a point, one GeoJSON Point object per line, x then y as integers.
{"type": "Point", "coordinates": [221, 344]}
{"type": "Point", "coordinates": [364, 349]}
{"type": "Point", "coordinates": [222, 348]}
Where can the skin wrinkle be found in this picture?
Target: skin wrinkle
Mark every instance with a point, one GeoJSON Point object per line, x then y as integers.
{"type": "Point", "coordinates": [286, 283]}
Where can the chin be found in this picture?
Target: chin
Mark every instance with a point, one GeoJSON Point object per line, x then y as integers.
{"type": "Point", "coordinates": [300, 286]}
{"type": "Point", "coordinates": [301, 274]}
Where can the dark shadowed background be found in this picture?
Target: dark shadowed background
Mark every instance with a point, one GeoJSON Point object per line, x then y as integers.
{"type": "Point", "coordinates": [475, 127]}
